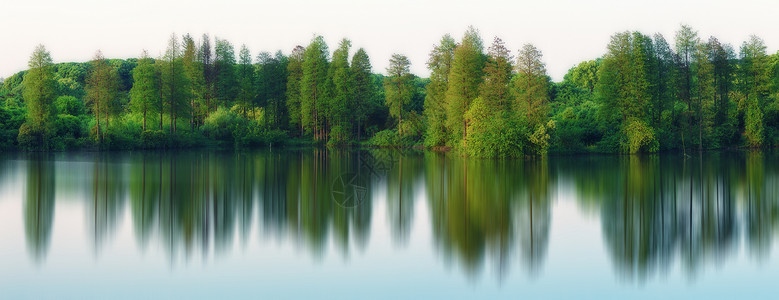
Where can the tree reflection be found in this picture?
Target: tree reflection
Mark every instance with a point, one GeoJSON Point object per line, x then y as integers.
{"type": "Point", "coordinates": [483, 209]}
{"type": "Point", "coordinates": [656, 212]}
{"type": "Point", "coordinates": [39, 205]}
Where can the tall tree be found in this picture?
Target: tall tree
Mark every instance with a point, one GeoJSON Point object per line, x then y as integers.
{"type": "Point", "coordinates": [175, 87]}
{"type": "Point", "coordinates": [439, 63]}
{"type": "Point", "coordinates": [102, 90]}
{"type": "Point", "coordinates": [246, 81]}
{"type": "Point", "coordinates": [313, 94]}
{"type": "Point", "coordinates": [362, 83]}
{"type": "Point", "coordinates": [294, 81]}
{"type": "Point", "coordinates": [754, 85]}
{"type": "Point", "coordinates": [271, 87]}
{"type": "Point", "coordinates": [193, 71]}
{"type": "Point", "coordinates": [497, 75]}
{"type": "Point", "coordinates": [40, 90]}
{"type": "Point", "coordinates": [209, 78]}
{"type": "Point", "coordinates": [623, 88]}
{"type": "Point", "coordinates": [341, 107]}
{"type": "Point", "coordinates": [662, 89]}
{"type": "Point", "coordinates": [531, 87]}
{"type": "Point", "coordinates": [721, 57]}
{"type": "Point", "coordinates": [705, 90]}
{"type": "Point", "coordinates": [398, 87]}
{"type": "Point", "coordinates": [144, 95]}
{"type": "Point", "coordinates": [686, 43]}
{"type": "Point", "coordinates": [465, 76]}
{"type": "Point", "coordinates": [225, 83]}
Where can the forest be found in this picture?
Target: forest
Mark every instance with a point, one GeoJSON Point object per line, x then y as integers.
{"type": "Point", "coordinates": [642, 95]}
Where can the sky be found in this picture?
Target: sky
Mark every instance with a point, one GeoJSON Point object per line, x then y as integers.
{"type": "Point", "coordinates": [566, 31]}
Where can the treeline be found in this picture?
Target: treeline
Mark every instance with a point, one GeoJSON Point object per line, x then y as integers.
{"type": "Point", "coordinates": [643, 95]}
{"type": "Point", "coordinates": [194, 94]}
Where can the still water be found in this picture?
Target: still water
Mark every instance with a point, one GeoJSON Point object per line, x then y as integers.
{"type": "Point", "coordinates": [385, 224]}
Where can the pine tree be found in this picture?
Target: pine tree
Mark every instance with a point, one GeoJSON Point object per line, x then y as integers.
{"type": "Point", "coordinates": [341, 107]}
{"type": "Point", "coordinates": [531, 87]}
{"type": "Point", "coordinates": [497, 76]}
{"type": "Point", "coordinates": [225, 83]}
{"type": "Point", "coordinates": [398, 87]}
{"type": "Point", "coordinates": [439, 63]}
{"type": "Point", "coordinates": [313, 91]}
{"type": "Point", "coordinates": [271, 87]}
{"type": "Point", "coordinates": [144, 95]}
{"type": "Point", "coordinates": [175, 86]}
{"type": "Point", "coordinates": [362, 83]}
{"type": "Point", "coordinates": [465, 76]}
{"type": "Point", "coordinates": [246, 81]}
{"type": "Point", "coordinates": [193, 70]}
{"type": "Point", "coordinates": [40, 90]}
{"type": "Point", "coordinates": [754, 85]}
{"type": "Point", "coordinates": [209, 78]}
{"type": "Point", "coordinates": [294, 80]}
{"type": "Point", "coordinates": [102, 89]}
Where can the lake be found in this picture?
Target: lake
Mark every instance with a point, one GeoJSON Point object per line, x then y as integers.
{"type": "Point", "coordinates": [387, 224]}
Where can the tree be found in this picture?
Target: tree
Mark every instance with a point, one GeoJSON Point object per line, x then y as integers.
{"type": "Point", "coordinates": [193, 71]}
{"type": "Point", "coordinates": [465, 76]}
{"type": "Point", "coordinates": [175, 87]}
{"type": "Point", "coordinates": [531, 87]}
{"type": "Point", "coordinates": [40, 90]}
{"type": "Point", "coordinates": [271, 87]}
{"type": "Point", "coordinates": [209, 77]}
{"type": "Point", "coordinates": [662, 89]}
{"type": "Point", "coordinates": [362, 87]}
{"type": "Point", "coordinates": [497, 76]}
{"type": "Point", "coordinates": [225, 82]}
{"type": "Point", "coordinates": [102, 89]}
{"type": "Point", "coordinates": [623, 90]}
{"type": "Point", "coordinates": [754, 86]}
{"type": "Point", "coordinates": [144, 95]}
{"type": "Point", "coordinates": [439, 63]}
{"type": "Point", "coordinates": [313, 95]}
{"type": "Point", "coordinates": [686, 44]}
{"type": "Point", "coordinates": [246, 81]}
{"type": "Point", "coordinates": [341, 107]}
{"type": "Point", "coordinates": [398, 87]}
{"type": "Point", "coordinates": [294, 80]}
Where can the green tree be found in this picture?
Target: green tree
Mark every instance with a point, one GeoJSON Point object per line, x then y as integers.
{"type": "Point", "coordinates": [439, 63]}
{"type": "Point", "coordinates": [753, 81]}
{"type": "Point", "coordinates": [102, 91]}
{"type": "Point", "coordinates": [531, 86]}
{"type": "Point", "coordinates": [398, 87]}
{"type": "Point", "coordinates": [362, 87]}
{"type": "Point", "coordinates": [40, 91]}
{"type": "Point", "coordinates": [294, 80]}
{"type": "Point", "coordinates": [144, 95]}
{"type": "Point", "coordinates": [341, 107]}
{"type": "Point", "coordinates": [623, 90]}
{"type": "Point", "coordinates": [225, 82]}
{"type": "Point", "coordinates": [246, 81]}
{"type": "Point", "coordinates": [313, 94]}
{"type": "Point", "coordinates": [465, 76]}
{"type": "Point", "coordinates": [193, 70]}
{"type": "Point", "coordinates": [271, 87]}
{"type": "Point", "coordinates": [175, 88]}
{"type": "Point", "coordinates": [497, 76]}
{"type": "Point", "coordinates": [209, 77]}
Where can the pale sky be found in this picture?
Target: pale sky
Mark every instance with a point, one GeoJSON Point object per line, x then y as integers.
{"type": "Point", "coordinates": [566, 31]}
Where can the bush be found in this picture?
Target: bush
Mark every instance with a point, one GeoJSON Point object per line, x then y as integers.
{"type": "Point", "coordinates": [385, 138]}
{"type": "Point", "coordinates": [500, 136]}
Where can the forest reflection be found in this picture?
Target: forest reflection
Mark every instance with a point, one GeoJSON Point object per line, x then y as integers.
{"type": "Point", "coordinates": [654, 210]}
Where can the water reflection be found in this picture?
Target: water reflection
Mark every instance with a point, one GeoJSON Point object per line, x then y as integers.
{"type": "Point", "coordinates": [39, 205]}
{"type": "Point", "coordinates": [655, 211]}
